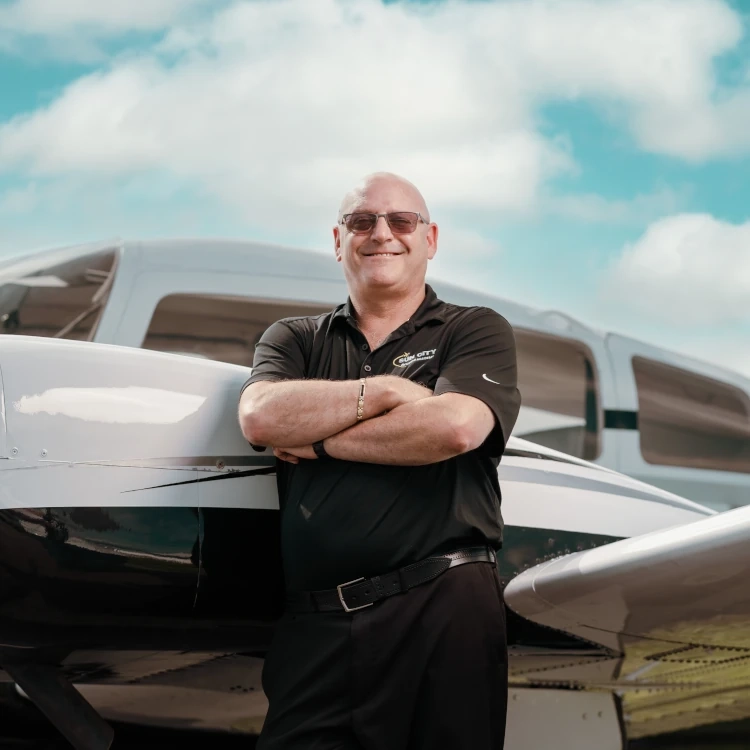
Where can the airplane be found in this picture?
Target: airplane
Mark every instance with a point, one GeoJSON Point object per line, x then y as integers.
{"type": "Point", "coordinates": [139, 561]}
{"type": "Point", "coordinates": [658, 416]}
{"type": "Point", "coordinates": [138, 556]}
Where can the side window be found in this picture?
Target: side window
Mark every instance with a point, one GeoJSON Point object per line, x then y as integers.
{"type": "Point", "coordinates": [217, 327]}
{"type": "Point", "coordinates": [686, 419]}
{"type": "Point", "coordinates": [58, 299]}
{"type": "Point", "coordinates": [557, 380]}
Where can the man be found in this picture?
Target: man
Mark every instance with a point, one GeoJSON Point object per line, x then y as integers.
{"type": "Point", "coordinates": [389, 416]}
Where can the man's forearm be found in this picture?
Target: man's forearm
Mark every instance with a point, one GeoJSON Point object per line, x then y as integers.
{"type": "Point", "coordinates": [301, 412]}
{"type": "Point", "coordinates": [413, 434]}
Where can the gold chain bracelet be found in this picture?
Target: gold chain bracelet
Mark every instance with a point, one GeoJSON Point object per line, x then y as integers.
{"type": "Point", "coordinates": [361, 401]}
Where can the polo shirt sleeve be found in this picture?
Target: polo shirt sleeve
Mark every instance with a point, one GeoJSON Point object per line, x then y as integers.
{"type": "Point", "coordinates": [481, 362]}
{"type": "Point", "coordinates": [279, 354]}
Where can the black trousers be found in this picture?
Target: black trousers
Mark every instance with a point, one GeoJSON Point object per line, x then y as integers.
{"type": "Point", "coordinates": [421, 670]}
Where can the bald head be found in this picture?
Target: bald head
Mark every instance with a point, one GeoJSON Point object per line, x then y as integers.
{"type": "Point", "coordinates": [380, 260]}
{"type": "Point", "coordinates": [406, 191]}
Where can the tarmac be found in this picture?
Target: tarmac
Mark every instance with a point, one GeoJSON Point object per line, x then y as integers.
{"type": "Point", "coordinates": [23, 735]}
{"type": "Point", "coordinates": [37, 735]}
{"type": "Point", "coordinates": [27, 731]}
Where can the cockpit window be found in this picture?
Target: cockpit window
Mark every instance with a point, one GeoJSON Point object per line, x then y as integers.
{"type": "Point", "coordinates": [56, 297]}
{"type": "Point", "coordinates": [558, 381]}
{"type": "Point", "coordinates": [218, 327]}
{"type": "Point", "coordinates": [687, 419]}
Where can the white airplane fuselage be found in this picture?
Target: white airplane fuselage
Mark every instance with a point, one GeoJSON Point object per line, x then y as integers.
{"type": "Point", "coordinates": [661, 417]}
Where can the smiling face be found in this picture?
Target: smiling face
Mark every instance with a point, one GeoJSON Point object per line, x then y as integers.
{"type": "Point", "coordinates": [381, 260]}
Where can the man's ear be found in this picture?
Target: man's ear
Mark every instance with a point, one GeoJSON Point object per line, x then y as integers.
{"type": "Point", "coordinates": [432, 241]}
{"type": "Point", "coordinates": [337, 243]}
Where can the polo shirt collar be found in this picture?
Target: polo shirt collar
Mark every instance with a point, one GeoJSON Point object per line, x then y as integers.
{"type": "Point", "coordinates": [431, 309]}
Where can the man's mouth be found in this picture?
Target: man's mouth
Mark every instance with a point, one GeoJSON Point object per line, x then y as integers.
{"type": "Point", "coordinates": [381, 255]}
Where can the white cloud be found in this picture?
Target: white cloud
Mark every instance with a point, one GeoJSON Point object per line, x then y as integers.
{"type": "Point", "coordinates": [277, 104]}
{"type": "Point", "coordinates": [688, 269]}
{"type": "Point", "coordinates": [592, 208]}
{"type": "Point", "coordinates": [79, 30]}
{"type": "Point", "coordinates": [267, 105]}
{"type": "Point", "coordinates": [59, 18]}
{"type": "Point", "coordinates": [696, 130]}
{"type": "Point", "coordinates": [652, 60]}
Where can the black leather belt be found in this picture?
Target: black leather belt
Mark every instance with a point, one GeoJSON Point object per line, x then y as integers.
{"type": "Point", "coordinates": [364, 592]}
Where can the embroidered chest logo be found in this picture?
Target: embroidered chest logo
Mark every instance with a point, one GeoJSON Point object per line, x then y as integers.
{"type": "Point", "coordinates": [405, 359]}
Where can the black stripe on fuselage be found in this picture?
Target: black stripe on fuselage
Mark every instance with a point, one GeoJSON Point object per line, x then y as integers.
{"type": "Point", "coordinates": [214, 478]}
{"type": "Point", "coordinates": [174, 462]}
{"type": "Point", "coordinates": [522, 474]}
{"type": "Point", "coordinates": [620, 419]}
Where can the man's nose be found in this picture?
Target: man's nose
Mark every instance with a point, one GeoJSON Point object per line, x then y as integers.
{"type": "Point", "coordinates": [381, 232]}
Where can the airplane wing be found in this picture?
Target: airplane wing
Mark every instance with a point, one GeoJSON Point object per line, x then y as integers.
{"type": "Point", "coordinates": [672, 611]}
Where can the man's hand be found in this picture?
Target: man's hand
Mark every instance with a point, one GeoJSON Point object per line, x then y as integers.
{"type": "Point", "coordinates": [293, 455]}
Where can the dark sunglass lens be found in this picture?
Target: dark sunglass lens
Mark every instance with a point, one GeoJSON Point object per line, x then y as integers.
{"type": "Point", "coordinates": [360, 222]}
{"type": "Point", "coordinates": [403, 221]}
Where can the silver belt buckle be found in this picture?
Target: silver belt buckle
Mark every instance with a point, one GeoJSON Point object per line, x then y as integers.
{"type": "Point", "coordinates": [341, 596]}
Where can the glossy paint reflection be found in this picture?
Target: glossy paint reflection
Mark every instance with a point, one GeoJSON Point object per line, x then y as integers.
{"type": "Point", "coordinates": [90, 566]}
{"type": "Point", "coordinates": [128, 405]}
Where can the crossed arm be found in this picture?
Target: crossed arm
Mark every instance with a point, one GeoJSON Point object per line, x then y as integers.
{"type": "Point", "coordinates": [404, 423]}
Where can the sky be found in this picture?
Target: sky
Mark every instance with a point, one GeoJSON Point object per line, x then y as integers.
{"type": "Point", "coordinates": [588, 157]}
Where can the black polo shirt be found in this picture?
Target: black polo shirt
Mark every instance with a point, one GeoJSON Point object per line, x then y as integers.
{"type": "Point", "coordinates": [341, 520]}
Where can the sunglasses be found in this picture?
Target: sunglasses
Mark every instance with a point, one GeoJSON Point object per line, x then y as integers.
{"type": "Point", "coordinates": [400, 222]}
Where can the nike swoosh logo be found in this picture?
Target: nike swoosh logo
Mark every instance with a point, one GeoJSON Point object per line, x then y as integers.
{"type": "Point", "coordinates": [491, 381]}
